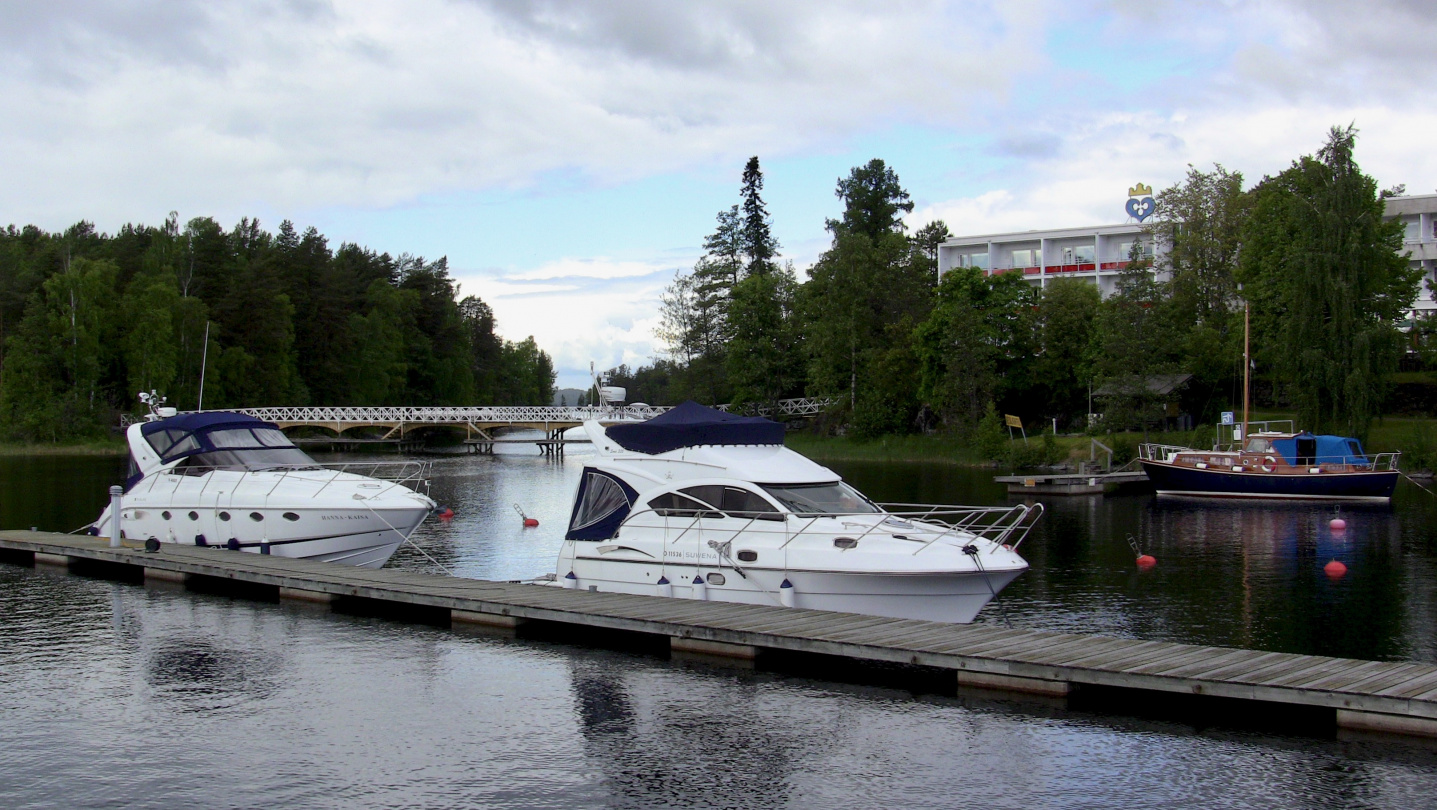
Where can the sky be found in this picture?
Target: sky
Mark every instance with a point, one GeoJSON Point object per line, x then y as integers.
{"type": "Point", "coordinates": [570, 156]}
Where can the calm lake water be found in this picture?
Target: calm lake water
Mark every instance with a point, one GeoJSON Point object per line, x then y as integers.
{"type": "Point", "coordinates": [124, 695]}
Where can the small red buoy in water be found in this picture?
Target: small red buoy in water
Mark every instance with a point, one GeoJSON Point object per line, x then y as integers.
{"type": "Point", "coordinates": [446, 513]}
{"type": "Point", "coordinates": [1334, 570]}
{"type": "Point", "coordinates": [1147, 561]}
{"type": "Point", "coordinates": [528, 521]}
{"type": "Point", "coordinates": [1337, 524]}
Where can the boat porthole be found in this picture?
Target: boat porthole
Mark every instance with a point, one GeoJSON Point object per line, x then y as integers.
{"type": "Point", "coordinates": [165, 514]}
{"type": "Point", "coordinates": [290, 516]}
{"type": "Point", "coordinates": [194, 516]}
{"type": "Point", "coordinates": [256, 516]}
{"type": "Point", "coordinates": [715, 579]}
{"type": "Point", "coordinates": [224, 516]}
{"type": "Point", "coordinates": [845, 542]}
{"type": "Point", "coordinates": [748, 556]}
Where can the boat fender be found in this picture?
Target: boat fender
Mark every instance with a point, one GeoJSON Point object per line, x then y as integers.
{"type": "Point", "coordinates": [1337, 524]}
{"type": "Point", "coordinates": [152, 545]}
{"type": "Point", "coordinates": [571, 581]}
{"type": "Point", "coordinates": [264, 548]}
{"type": "Point", "coordinates": [1334, 570]}
{"type": "Point", "coordinates": [531, 522]}
{"type": "Point", "coordinates": [93, 531]}
{"type": "Point", "coordinates": [785, 594]}
{"type": "Point", "coordinates": [1146, 561]}
{"type": "Point", "coordinates": [200, 540]}
{"type": "Point", "coordinates": [1269, 464]}
{"type": "Point", "coordinates": [666, 588]}
{"type": "Point", "coordinates": [233, 544]}
{"type": "Point", "coordinates": [700, 591]}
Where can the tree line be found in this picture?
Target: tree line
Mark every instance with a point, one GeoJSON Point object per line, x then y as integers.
{"type": "Point", "coordinates": [89, 319]}
{"type": "Point", "coordinates": [903, 352]}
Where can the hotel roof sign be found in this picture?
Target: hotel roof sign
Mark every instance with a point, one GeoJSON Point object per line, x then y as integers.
{"type": "Point", "coordinates": [1140, 202]}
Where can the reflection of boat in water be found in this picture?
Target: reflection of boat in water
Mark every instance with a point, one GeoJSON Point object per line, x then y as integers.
{"type": "Point", "coordinates": [226, 479]}
{"type": "Point", "coordinates": [702, 504]}
{"type": "Point", "coordinates": [1273, 464]}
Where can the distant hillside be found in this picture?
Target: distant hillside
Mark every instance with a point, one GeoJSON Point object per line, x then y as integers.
{"type": "Point", "coordinates": [567, 396]}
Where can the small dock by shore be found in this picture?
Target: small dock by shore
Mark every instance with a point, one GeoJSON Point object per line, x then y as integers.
{"type": "Point", "coordinates": [1070, 483]}
{"type": "Point", "coordinates": [1332, 692]}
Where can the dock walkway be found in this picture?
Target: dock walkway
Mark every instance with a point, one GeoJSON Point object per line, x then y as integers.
{"type": "Point", "coordinates": [1369, 695]}
{"type": "Point", "coordinates": [1069, 483]}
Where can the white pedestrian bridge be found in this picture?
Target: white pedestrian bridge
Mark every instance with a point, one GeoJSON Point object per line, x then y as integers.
{"type": "Point", "coordinates": [482, 424]}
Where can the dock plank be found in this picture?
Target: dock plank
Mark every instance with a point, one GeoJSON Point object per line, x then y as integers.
{"type": "Point", "coordinates": [1402, 690]}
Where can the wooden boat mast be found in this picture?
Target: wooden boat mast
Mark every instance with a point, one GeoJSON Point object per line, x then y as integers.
{"type": "Point", "coordinates": [1246, 368]}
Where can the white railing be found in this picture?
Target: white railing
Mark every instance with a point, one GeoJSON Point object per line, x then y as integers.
{"type": "Point", "coordinates": [490, 414]}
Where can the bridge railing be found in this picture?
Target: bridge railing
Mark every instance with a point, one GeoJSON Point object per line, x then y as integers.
{"type": "Point", "coordinates": [489, 414]}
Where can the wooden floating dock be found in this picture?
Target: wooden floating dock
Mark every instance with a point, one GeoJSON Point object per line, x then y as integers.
{"type": "Point", "coordinates": [1365, 695]}
{"type": "Point", "coordinates": [1069, 483]}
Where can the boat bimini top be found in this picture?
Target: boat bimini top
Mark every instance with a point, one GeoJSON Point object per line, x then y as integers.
{"type": "Point", "coordinates": [211, 440]}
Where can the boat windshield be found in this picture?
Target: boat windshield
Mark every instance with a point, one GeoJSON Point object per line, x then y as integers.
{"type": "Point", "coordinates": [250, 460]}
{"type": "Point", "coordinates": [836, 498]}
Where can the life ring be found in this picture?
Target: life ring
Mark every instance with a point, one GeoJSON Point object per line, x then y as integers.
{"type": "Point", "coordinates": [1269, 466]}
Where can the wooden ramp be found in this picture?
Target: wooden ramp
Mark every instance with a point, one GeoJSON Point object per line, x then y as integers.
{"type": "Point", "coordinates": [1369, 695]}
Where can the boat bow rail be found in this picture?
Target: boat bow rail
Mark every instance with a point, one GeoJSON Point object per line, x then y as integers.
{"type": "Point", "coordinates": [1003, 526]}
{"type": "Point", "coordinates": [413, 475]}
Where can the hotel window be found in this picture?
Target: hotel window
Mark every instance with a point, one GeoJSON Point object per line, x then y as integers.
{"type": "Point", "coordinates": [1025, 258]}
{"type": "Point", "coordinates": [1067, 255]}
{"type": "Point", "coordinates": [1084, 254]}
{"type": "Point", "coordinates": [978, 260]}
{"type": "Point", "coordinates": [1125, 249]}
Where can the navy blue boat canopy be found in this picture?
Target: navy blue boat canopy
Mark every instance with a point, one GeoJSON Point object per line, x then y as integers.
{"type": "Point", "coordinates": [192, 433]}
{"type": "Point", "coordinates": [692, 424]}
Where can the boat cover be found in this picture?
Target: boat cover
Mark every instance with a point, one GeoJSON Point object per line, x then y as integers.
{"type": "Point", "coordinates": [692, 424]}
{"type": "Point", "coordinates": [189, 433]}
{"type": "Point", "coordinates": [1329, 449]}
{"type": "Point", "coordinates": [600, 506]}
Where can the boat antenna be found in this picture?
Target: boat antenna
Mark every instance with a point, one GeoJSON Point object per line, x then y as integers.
{"type": "Point", "coordinates": [204, 359]}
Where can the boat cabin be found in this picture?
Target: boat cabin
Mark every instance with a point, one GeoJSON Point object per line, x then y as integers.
{"type": "Point", "coordinates": [197, 443]}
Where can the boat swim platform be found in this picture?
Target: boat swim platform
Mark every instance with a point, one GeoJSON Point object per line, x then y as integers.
{"type": "Point", "coordinates": [1333, 693]}
{"type": "Point", "coordinates": [1070, 483]}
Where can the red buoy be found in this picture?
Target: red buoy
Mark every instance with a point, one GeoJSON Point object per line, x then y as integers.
{"type": "Point", "coordinates": [1337, 524]}
{"type": "Point", "coordinates": [1335, 570]}
{"type": "Point", "coordinates": [446, 514]}
{"type": "Point", "coordinates": [531, 522]}
{"type": "Point", "coordinates": [1147, 561]}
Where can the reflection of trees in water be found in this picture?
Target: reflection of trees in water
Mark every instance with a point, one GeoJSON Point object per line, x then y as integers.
{"type": "Point", "coordinates": [709, 745]}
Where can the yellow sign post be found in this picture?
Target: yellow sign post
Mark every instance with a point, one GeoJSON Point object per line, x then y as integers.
{"type": "Point", "coordinates": [1015, 422]}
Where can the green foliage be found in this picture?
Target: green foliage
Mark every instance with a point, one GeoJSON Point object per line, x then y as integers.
{"type": "Point", "coordinates": [991, 438]}
{"type": "Point", "coordinates": [1067, 313]}
{"type": "Point", "coordinates": [978, 335]}
{"type": "Point", "coordinates": [87, 320]}
{"type": "Point", "coordinates": [761, 356]}
{"type": "Point", "coordinates": [1328, 286]}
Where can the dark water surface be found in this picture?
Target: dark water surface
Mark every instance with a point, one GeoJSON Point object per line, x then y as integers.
{"type": "Point", "coordinates": [124, 695]}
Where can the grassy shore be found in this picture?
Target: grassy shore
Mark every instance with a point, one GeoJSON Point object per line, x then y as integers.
{"type": "Point", "coordinates": [1416, 437]}
{"type": "Point", "coordinates": [111, 447]}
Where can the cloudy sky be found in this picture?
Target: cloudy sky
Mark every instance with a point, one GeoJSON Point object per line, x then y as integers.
{"type": "Point", "coordinates": [568, 157]}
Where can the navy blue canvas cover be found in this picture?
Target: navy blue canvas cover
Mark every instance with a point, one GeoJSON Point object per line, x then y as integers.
{"type": "Point", "coordinates": [186, 434]}
{"type": "Point", "coordinates": [600, 506]}
{"type": "Point", "coordinates": [692, 424]}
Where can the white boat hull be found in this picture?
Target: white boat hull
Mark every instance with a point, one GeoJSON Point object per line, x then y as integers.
{"type": "Point", "coordinates": [942, 597]}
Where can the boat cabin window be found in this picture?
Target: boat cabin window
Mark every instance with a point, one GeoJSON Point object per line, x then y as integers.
{"type": "Point", "coordinates": [835, 498]}
{"type": "Point", "coordinates": [1259, 445]}
{"type": "Point", "coordinates": [248, 437]}
{"type": "Point", "coordinates": [250, 460]}
{"type": "Point", "coordinates": [735, 501]}
{"type": "Point", "coordinates": [672, 504]}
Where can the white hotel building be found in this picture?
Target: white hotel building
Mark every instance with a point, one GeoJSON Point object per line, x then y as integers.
{"type": "Point", "coordinates": [1099, 253]}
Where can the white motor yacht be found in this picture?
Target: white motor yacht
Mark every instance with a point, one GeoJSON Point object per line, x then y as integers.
{"type": "Point", "coordinates": [701, 504]}
{"type": "Point", "coordinates": [217, 478]}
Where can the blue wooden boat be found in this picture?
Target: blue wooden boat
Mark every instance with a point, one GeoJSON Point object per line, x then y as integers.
{"type": "Point", "coordinates": [1274, 464]}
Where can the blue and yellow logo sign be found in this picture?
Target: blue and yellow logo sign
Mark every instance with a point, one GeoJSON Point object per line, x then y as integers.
{"type": "Point", "coordinates": [1140, 202]}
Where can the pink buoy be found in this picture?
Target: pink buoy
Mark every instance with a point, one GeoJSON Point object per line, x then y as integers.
{"type": "Point", "coordinates": [1147, 561]}
{"type": "Point", "coordinates": [1335, 570]}
{"type": "Point", "coordinates": [1337, 524]}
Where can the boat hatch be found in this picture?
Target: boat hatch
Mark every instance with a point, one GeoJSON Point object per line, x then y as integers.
{"type": "Point", "coordinates": [602, 503]}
